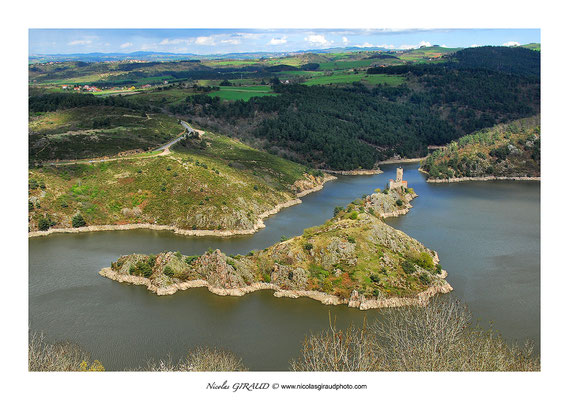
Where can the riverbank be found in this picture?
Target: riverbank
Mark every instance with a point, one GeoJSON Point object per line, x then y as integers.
{"type": "Point", "coordinates": [483, 178]}
{"type": "Point", "coordinates": [354, 172]}
{"type": "Point", "coordinates": [355, 301]}
{"type": "Point", "coordinates": [401, 160]}
{"type": "Point", "coordinates": [190, 232]}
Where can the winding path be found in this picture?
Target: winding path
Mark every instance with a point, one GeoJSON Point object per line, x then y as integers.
{"type": "Point", "coordinates": [164, 150]}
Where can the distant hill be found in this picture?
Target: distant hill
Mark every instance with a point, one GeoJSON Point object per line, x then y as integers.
{"type": "Point", "coordinates": [532, 46]}
{"type": "Point", "coordinates": [510, 60]}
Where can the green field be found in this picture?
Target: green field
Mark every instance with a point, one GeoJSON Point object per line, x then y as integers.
{"type": "Point", "coordinates": [242, 92]}
{"type": "Point", "coordinates": [393, 80]}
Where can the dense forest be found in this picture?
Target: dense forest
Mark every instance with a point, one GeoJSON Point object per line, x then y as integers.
{"type": "Point", "coordinates": [330, 127]}
{"type": "Point", "coordinates": [62, 101]}
{"type": "Point", "coordinates": [355, 126]}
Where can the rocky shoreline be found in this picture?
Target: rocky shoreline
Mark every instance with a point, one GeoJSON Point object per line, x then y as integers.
{"type": "Point", "coordinates": [190, 232]}
{"type": "Point", "coordinates": [354, 172]}
{"type": "Point", "coordinates": [484, 178]}
{"type": "Point", "coordinates": [401, 160]}
{"type": "Point", "coordinates": [355, 301]}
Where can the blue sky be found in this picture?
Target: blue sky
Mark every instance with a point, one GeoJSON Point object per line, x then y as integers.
{"type": "Point", "coordinates": [219, 41]}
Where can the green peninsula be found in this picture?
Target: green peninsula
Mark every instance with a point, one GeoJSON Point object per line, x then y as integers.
{"type": "Point", "coordinates": [354, 258]}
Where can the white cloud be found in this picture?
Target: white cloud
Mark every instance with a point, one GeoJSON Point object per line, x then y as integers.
{"type": "Point", "coordinates": [444, 45]}
{"type": "Point", "coordinates": [345, 40]}
{"type": "Point", "coordinates": [415, 46]}
{"type": "Point", "coordinates": [125, 45]}
{"type": "Point", "coordinates": [275, 41]}
{"type": "Point", "coordinates": [176, 41]}
{"type": "Point", "coordinates": [511, 44]}
{"type": "Point", "coordinates": [231, 41]}
{"type": "Point", "coordinates": [319, 40]}
{"type": "Point", "coordinates": [79, 42]}
{"type": "Point", "coordinates": [366, 44]}
{"type": "Point", "coordinates": [205, 41]}
{"type": "Point", "coordinates": [475, 45]}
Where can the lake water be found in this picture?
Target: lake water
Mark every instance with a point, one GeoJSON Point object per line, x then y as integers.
{"type": "Point", "coordinates": [487, 235]}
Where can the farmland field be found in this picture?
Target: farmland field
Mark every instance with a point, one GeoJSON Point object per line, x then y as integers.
{"type": "Point", "coordinates": [349, 78]}
{"type": "Point", "coordinates": [242, 92]}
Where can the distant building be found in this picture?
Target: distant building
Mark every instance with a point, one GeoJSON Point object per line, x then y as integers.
{"type": "Point", "coordinates": [398, 182]}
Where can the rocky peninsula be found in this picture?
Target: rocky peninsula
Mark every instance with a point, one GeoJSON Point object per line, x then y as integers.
{"type": "Point", "coordinates": [504, 152]}
{"type": "Point", "coordinates": [354, 258]}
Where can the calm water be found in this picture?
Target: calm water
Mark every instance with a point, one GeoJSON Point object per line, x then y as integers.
{"type": "Point", "coordinates": [486, 234]}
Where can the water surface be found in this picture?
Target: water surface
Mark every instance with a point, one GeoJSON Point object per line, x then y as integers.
{"type": "Point", "coordinates": [486, 234]}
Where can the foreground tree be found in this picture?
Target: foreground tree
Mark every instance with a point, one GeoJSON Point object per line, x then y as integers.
{"type": "Point", "coordinates": [65, 356]}
{"type": "Point", "coordinates": [200, 359]}
{"type": "Point", "coordinates": [438, 337]}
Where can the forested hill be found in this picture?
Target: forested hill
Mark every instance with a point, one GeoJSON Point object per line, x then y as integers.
{"type": "Point", "coordinates": [506, 150]}
{"type": "Point", "coordinates": [328, 127]}
{"type": "Point", "coordinates": [508, 60]}
{"type": "Point", "coordinates": [355, 126]}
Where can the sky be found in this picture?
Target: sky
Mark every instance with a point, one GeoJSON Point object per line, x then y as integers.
{"type": "Point", "coordinates": [220, 41]}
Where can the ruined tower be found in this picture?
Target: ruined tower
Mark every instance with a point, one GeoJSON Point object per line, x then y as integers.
{"type": "Point", "coordinates": [398, 182]}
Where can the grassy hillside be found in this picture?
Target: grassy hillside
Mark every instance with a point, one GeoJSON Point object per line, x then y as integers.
{"type": "Point", "coordinates": [354, 256]}
{"type": "Point", "coordinates": [96, 131]}
{"type": "Point", "coordinates": [511, 150]}
{"type": "Point", "coordinates": [213, 183]}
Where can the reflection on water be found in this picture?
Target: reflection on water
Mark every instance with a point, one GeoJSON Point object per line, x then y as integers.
{"type": "Point", "coordinates": [486, 234]}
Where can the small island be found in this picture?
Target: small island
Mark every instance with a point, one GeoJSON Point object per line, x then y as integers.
{"type": "Point", "coordinates": [504, 152]}
{"type": "Point", "coordinates": [354, 258]}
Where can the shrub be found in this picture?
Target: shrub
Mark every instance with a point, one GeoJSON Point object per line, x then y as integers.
{"type": "Point", "coordinates": [44, 223]}
{"type": "Point", "coordinates": [424, 278]}
{"type": "Point", "coordinates": [354, 215]}
{"type": "Point", "coordinates": [308, 246]}
{"type": "Point", "coordinates": [78, 221]}
{"type": "Point", "coordinates": [266, 277]}
{"type": "Point", "coordinates": [425, 261]}
{"type": "Point", "coordinates": [284, 238]}
{"type": "Point", "coordinates": [290, 275]}
{"type": "Point", "coordinates": [408, 267]}
{"type": "Point", "coordinates": [399, 203]}
{"type": "Point", "coordinates": [168, 271]}
{"type": "Point", "coordinates": [190, 259]}
{"type": "Point", "coordinates": [374, 278]}
{"type": "Point", "coordinates": [351, 239]}
{"type": "Point", "coordinates": [338, 210]}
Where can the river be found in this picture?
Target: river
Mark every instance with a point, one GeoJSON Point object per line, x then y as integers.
{"type": "Point", "coordinates": [487, 235]}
